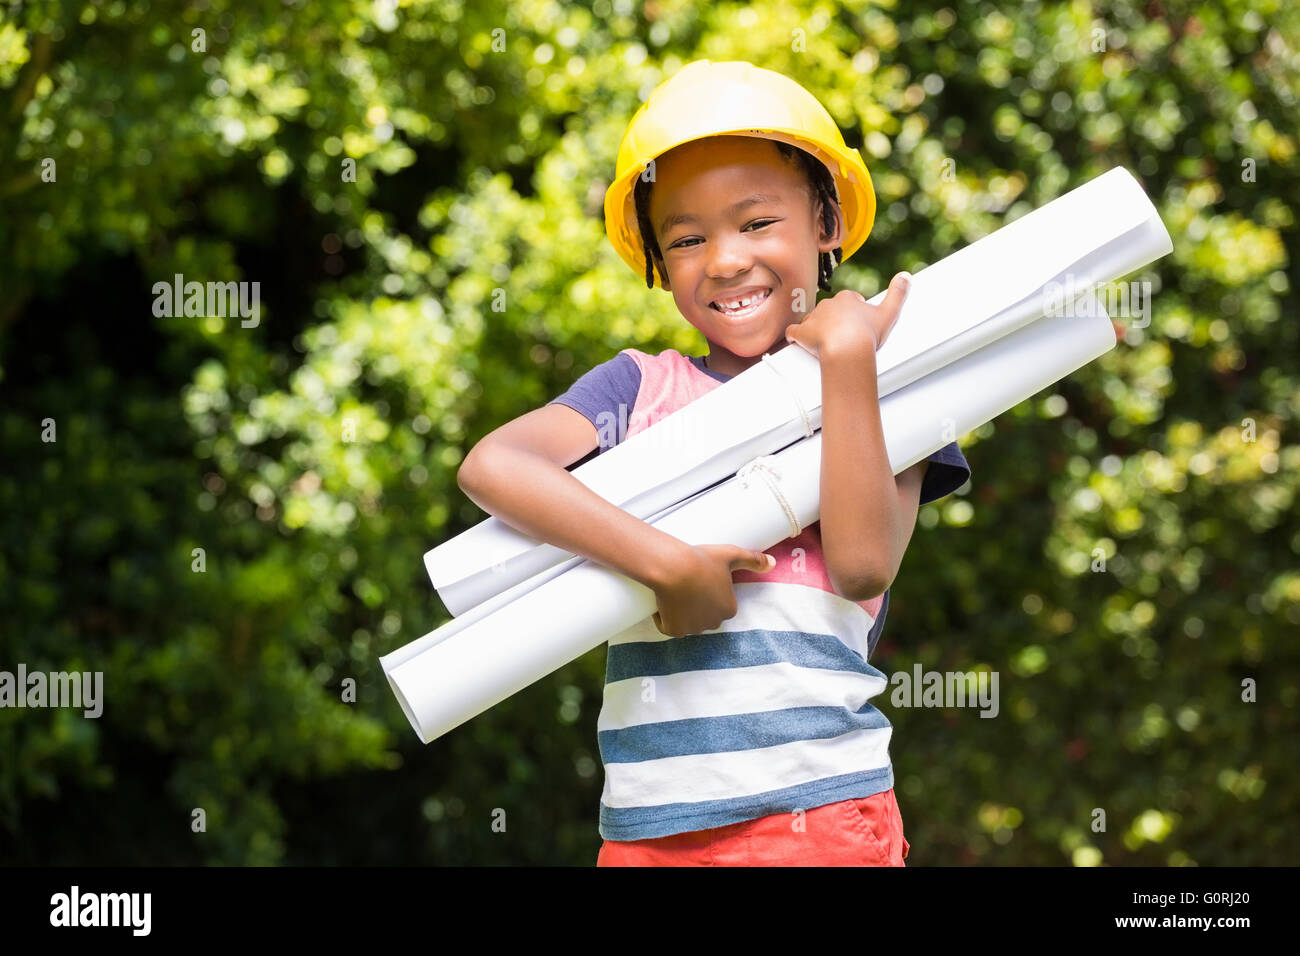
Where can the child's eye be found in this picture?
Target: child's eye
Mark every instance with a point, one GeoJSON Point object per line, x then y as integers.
{"type": "Point", "coordinates": [756, 224]}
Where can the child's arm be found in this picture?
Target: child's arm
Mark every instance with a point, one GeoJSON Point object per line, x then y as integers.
{"type": "Point", "coordinates": [517, 473]}
{"type": "Point", "coordinates": [864, 537]}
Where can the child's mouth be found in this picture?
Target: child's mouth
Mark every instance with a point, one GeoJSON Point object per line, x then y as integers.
{"type": "Point", "coordinates": [740, 306]}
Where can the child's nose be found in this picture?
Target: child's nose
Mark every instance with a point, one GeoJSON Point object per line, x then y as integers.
{"type": "Point", "coordinates": [729, 256]}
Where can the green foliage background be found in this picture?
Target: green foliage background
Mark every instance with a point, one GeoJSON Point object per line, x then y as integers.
{"type": "Point", "coordinates": [480, 169]}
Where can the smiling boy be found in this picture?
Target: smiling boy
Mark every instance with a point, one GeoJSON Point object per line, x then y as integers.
{"type": "Point", "coordinates": [736, 726]}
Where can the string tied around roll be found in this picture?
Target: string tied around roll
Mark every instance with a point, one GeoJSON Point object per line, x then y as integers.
{"type": "Point", "coordinates": [764, 467]}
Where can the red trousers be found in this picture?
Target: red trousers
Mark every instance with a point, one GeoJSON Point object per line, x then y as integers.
{"type": "Point", "coordinates": [866, 831]}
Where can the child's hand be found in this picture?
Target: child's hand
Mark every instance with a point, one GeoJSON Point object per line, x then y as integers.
{"type": "Point", "coordinates": [846, 323]}
{"type": "Point", "coordinates": [698, 594]}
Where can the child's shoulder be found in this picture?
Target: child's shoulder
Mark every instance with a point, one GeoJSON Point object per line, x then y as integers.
{"type": "Point", "coordinates": [667, 371]}
{"type": "Point", "coordinates": [635, 362]}
{"type": "Point", "coordinates": [664, 358]}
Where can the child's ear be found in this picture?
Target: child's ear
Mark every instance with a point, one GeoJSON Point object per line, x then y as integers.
{"type": "Point", "coordinates": [826, 243]}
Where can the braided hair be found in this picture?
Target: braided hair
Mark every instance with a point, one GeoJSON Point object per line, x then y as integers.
{"type": "Point", "coordinates": [823, 187]}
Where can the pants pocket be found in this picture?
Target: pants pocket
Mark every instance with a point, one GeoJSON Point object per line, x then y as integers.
{"type": "Point", "coordinates": [870, 816]}
{"type": "Point", "coordinates": [882, 827]}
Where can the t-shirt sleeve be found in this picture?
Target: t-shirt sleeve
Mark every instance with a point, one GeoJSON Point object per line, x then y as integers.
{"type": "Point", "coordinates": [947, 472]}
{"type": "Point", "coordinates": [602, 390]}
{"type": "Point", "coordinates": [873, 635]}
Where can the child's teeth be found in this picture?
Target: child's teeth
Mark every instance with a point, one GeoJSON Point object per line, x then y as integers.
{"type": "Point", "coordinates": [742, 304]}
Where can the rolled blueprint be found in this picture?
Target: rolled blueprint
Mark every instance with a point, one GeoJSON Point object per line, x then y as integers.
{"type": "Point", "coordinates": [1095, 233]}
{"type": "Point", "coordinates": [473, 662]}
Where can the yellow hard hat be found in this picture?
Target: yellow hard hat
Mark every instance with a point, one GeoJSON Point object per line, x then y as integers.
{"type": "Point", "coordinates": [734, 98]}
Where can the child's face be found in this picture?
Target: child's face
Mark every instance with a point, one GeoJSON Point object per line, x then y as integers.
{"type": "Point", "coordinates": [771, 245]}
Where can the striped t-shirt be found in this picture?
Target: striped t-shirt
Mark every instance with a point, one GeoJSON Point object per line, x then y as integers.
{"type": "Point", "coordinates": [764, 714]}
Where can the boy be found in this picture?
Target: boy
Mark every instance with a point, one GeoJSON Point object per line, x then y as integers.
{"type": "Point", "coordinates": [736, 726]}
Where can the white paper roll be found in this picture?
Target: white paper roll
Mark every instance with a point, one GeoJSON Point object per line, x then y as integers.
{"type": "Point", "coordinates": [472, 663]}
{"type": "Point", "coordinates": [1095, 233]}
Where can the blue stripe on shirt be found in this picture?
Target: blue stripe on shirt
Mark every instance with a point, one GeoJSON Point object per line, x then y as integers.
{"type": "Point", "coordinates": [732, 649]}
{"type": "Point", "coordinates": [727, 734]}
{"type": "Point", "coordinates": [647, 823]}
